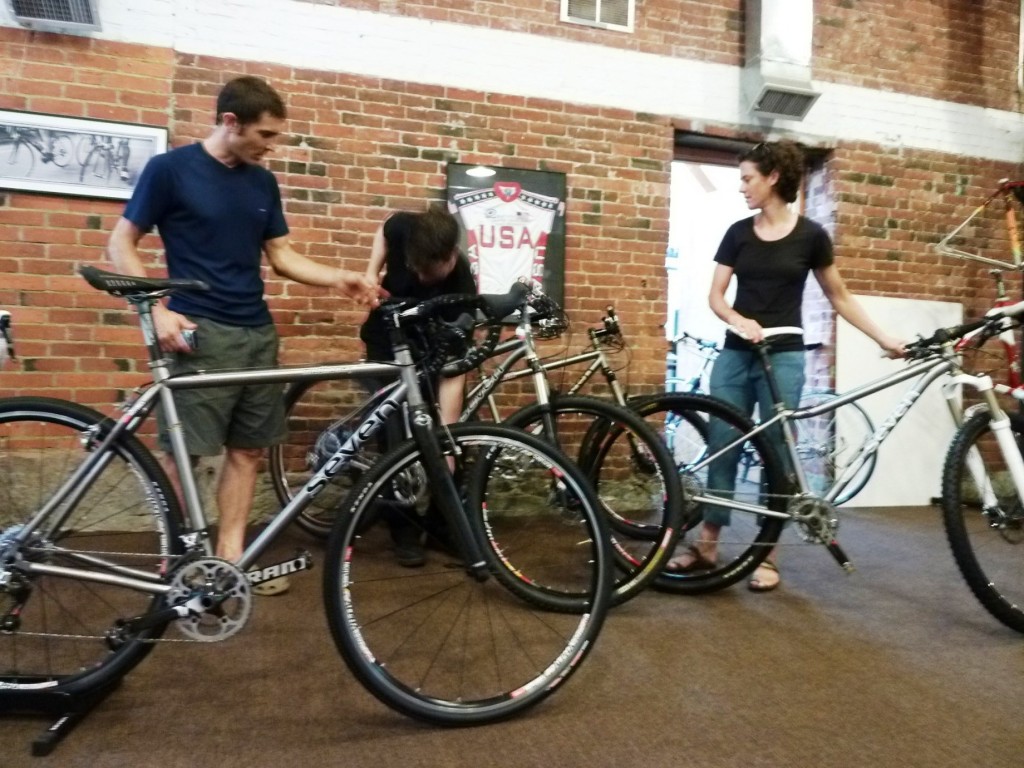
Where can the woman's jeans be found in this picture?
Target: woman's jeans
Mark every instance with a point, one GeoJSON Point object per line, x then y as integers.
{"type": "Point", "coordinates": [738, 378]}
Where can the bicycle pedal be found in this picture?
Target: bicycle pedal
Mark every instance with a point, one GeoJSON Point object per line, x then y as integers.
{"type": "Point", "coordinates": [302, 561]}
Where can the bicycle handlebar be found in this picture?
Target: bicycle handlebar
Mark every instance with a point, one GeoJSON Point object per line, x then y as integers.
{"type": "Point", "coordinates": [493, 307]}
{"type": "Point", "coordinates": [701, 343]}
{"type": "Point", "coordinates": [984, 328]}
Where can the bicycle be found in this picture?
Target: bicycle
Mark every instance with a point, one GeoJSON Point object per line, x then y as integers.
{"type": "Point", "coordinates": [54, 148]}
{"type": "Point", "coordinates": [624, 459]}
{"type": "Point", "coordinates": [104, 158]}
{"type": "Point", "coordinates": [826, 444]}
{"type": "Point", "coordinates": [97, 558]}
{"type": "Point", "coordinates": [780, 493]}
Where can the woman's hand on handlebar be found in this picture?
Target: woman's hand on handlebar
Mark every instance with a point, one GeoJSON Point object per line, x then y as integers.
{"type": "Point", "coordinates": [892, 347]}
{"type": "Point", "coordinates": [748, 329]}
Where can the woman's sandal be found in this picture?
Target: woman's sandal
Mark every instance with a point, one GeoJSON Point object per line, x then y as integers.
{"type": "Point", "coordinates": [698, 562]}
{"type": "Point", "coordinates": [766, 577]}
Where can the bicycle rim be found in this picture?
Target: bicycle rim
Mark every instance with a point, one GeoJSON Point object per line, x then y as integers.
{"type": "Point", "coordinates": [986, 529]}
{"type": "Point", "coordinates": [634, 478]}
{"type": "Point", "coordinates": [438, 645]}
{"type": "Point", "coordinates": [58, 626]}
{"type": "Point", "coordinates": [321, 416]}
{"type": "Point", "coordinates": [829, 443]}
{"type": "Point", "coordinates": [756, 477]}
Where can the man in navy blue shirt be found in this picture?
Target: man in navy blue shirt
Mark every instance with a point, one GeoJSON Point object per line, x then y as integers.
{"type": "Point", "coordinates": [218, 212]}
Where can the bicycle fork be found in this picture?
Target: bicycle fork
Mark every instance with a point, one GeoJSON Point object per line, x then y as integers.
{"type": "Point", "coordinates": [435, 464]}
{"type": "Point", "coordinates": [1000, 425]}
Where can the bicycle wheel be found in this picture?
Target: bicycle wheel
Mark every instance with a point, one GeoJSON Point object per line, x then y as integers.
{"type": "Point", "coordinates": [62, 149]}
{"type": "Point", "coordinates": [315, 432]}
{"type": "Point", "coordinates": [83, 146]}
{"type": "Point", "coordinates": [829, 443]}
{"type": "Point", "coordinates": [633, 474]}
{"type": "Point", "coordinates": [97, 164]}
{"type": "Point", "coordinates": [685, 433]}
{"type": "Point", "coordinates": [984, 517]}
{"type": "Point", "coordinates": [55, 630]}
{"type": "Point", "coordinates": [758, 478]}
{"type": "Point", "coordinates": [440, 645]}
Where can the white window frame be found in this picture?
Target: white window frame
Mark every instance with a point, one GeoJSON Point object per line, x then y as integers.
{"type": "Point", "coordinates": [630, 11]}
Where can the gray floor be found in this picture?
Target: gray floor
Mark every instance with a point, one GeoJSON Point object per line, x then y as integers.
{"type": "Point", "coordinates": [894, 665]}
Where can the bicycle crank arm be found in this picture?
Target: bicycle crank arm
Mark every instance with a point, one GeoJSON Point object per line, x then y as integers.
{"type": "Point", "coordinates": [302, 561]}
{"type": "Point", "coordinates": [837, 552]}
{"type": "Point", "coordinates": [124, 629]}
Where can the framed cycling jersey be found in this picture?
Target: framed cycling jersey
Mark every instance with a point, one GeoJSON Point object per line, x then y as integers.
{"type": "Point", "coordinates": [513, 225]}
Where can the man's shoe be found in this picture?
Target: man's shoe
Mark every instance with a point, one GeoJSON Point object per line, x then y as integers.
{"type": "Point", "coordinates": [270, 587]}
{"type": "Point", "coordinates": [409, 552]}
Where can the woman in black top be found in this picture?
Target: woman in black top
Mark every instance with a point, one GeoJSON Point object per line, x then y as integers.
{"type": "Point", "coordinates": [770, 254]}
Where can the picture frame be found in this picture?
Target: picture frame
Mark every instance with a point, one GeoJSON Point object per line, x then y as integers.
{"type": "Point", "coordinates": [513, 225]}
{"type": "Point", "coordinates": [57, 155]}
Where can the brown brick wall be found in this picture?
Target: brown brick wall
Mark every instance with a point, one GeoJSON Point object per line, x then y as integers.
{"type": "Point", "coordinates": [358, 148]}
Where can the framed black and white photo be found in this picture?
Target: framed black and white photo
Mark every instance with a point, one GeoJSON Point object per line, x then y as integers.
{"type": "Point", "coordinates": [74, 156]}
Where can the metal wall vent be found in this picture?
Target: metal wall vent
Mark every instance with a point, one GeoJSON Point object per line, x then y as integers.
{"type": "Point", "coordinates": [776, 79]}
{"type": "Point", "coordinates": [784, 101]}
{"type": "Point", "coordinates": [606, 14]}
{"type": "Point", "coordinates": [56, 15]}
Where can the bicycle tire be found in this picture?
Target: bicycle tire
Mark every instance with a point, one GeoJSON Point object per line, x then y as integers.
{"type": "Point", "coordinates": [128, 516]}
{"type": "Point", "coordinates": [747, 541]}
{"type": "Point", "coordinates": [315, 431]}
{"type": "Point", "coordinates": [685, 433]}
{"type": "Point", "coordinates": [829, 443]}
{"type": "Point", "coordinates": [83, 146]}
{"type": "Point", "coordinates": [98, 163]}
{"type": "Point", "coordinates": [632, 473]}
{"type": "Point", "coordinates": [986, 538]}
{"type": "Point", "coordinates": [440, 645]}
{"type": "Point", "coordinates": [62, 149]}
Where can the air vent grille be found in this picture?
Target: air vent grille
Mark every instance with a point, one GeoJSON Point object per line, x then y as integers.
{"type": "Point", "coordinates": [785, 104]}
{"type": "Point", "coordinates": [56, 15]}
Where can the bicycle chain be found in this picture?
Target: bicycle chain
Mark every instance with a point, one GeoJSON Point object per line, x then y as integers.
{"type": "Point", "coordinates": [62, 636]}
{"type": "Point", "coordinates": [152, 640]}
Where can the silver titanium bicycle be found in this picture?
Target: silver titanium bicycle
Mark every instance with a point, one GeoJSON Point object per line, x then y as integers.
{"type": "Point", "coordinates": [983, 481]}
{"type": "Point", "coordinates": [97, 559]}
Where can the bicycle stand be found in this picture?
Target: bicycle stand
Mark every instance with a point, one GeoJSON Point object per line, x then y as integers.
{"type": "Point", "coordinates": [69, 710]}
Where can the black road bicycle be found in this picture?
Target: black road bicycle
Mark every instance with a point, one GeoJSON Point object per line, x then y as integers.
{"type": "Point", "coordinates": [624, 458]}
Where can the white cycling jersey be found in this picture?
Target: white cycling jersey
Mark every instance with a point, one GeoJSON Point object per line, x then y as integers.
{"type": "Point", "coordinates": [507, 230]}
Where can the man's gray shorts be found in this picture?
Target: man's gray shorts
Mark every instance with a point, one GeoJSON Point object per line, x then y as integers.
{"type": "Point", "coordinates": [244, 416]}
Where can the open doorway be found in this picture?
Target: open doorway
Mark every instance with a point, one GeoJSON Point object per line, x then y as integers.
{"type": "Point", "coordinates": [704, 201]}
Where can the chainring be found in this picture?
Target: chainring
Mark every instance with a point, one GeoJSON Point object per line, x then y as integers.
{"type": "Point", "coordinates": [219, 597]}
{"type": "Point", "coordinates": [817, 521]}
